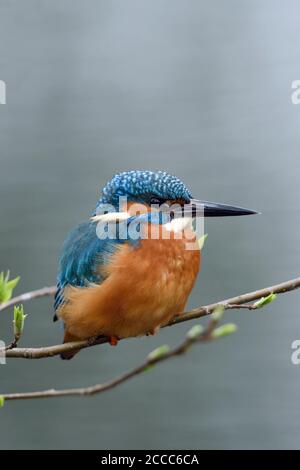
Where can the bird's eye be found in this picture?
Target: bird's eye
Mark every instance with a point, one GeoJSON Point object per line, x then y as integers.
{"type": "Point", "coordinates": [155, 200]}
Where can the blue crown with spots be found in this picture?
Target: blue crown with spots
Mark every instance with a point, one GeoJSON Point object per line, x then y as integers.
{"type": "Point", "coordinates": [141, 186]}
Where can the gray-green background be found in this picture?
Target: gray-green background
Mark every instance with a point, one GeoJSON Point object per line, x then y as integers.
{"type": "Point", "coordinates": [201, 89]}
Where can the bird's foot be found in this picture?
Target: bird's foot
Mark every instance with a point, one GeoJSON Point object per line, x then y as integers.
{"type": "Point", "coordinates": [113, 340]}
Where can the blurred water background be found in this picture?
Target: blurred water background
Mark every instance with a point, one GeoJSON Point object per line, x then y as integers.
{"type": "Point", "coordinates": [201, 89]}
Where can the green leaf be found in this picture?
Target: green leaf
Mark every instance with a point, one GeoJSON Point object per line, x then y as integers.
{"type": "Point", "coordinates": [218, 313]}
{"type": "Point", "coordinates": [195, 332]}
{"type": "Point", "coordinates": [224, 330]}
{"type": "Point", "coordinates": [202, 240]}
{"type": "Point", "coordinates": [2, 400]}
{"type": "Point", "coordinates": [7, 286]}
{"type": "Point", "coordinates": [158, 353]}
{"type": "Point", "coordinates": [19, 318]}
{"type": "Point", "coordinates": [12, 283]}
{"type": "Point", "coordinates": [265, 301]}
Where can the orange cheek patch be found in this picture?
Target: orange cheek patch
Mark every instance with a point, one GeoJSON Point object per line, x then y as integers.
{"type": "Point", "coordinates": [180, 202]}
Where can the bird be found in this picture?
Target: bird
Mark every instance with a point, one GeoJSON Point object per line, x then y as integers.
{"type": "Point", "coordinates": [126, 286]}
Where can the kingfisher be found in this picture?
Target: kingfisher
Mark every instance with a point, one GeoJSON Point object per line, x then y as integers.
{"type": "Point", "coordinates": [135, 273]}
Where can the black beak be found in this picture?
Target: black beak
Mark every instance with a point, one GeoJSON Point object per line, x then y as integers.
{"type": "Point", "coordinates": [214, 209]}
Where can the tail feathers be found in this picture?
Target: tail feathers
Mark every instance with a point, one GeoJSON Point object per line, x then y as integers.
{"type": "Point", "coordinates": [68, 338]}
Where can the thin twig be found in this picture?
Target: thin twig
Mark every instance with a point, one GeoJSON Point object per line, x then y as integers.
{"type": "Point", "coordinates": [237, 306]}
{"type": "Point", "coordinates": [12, 345]}
{"type": "Point", "coordinates": [281, 288]}
{"type": "Point", "coordinates": [233, 302]}
{"type": "Point", "coordinates": [45, 291]}
{"type": "Point", "coordinates": [151, 360]}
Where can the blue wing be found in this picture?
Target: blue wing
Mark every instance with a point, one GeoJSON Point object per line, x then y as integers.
{"type": "Point", "coordinates": [82, 254]}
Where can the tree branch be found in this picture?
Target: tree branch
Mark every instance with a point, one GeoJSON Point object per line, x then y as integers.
{"type": "Point", "coordinates": [45, 291]}
{"type": "Point", "coordinates": [229, 304]}
{"type": "Point", "coordinates": [195, 335]}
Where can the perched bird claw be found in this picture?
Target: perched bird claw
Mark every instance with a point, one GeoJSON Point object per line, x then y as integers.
{"type": "Point", "coordinates": [113, 340]}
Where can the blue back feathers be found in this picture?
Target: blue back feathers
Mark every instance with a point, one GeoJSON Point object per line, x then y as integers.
{"type": "Point", "coordinates": [81, 255]}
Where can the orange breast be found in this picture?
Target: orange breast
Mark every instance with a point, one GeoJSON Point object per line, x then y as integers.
{"type": "Point", "coordinates": [145, 287]}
